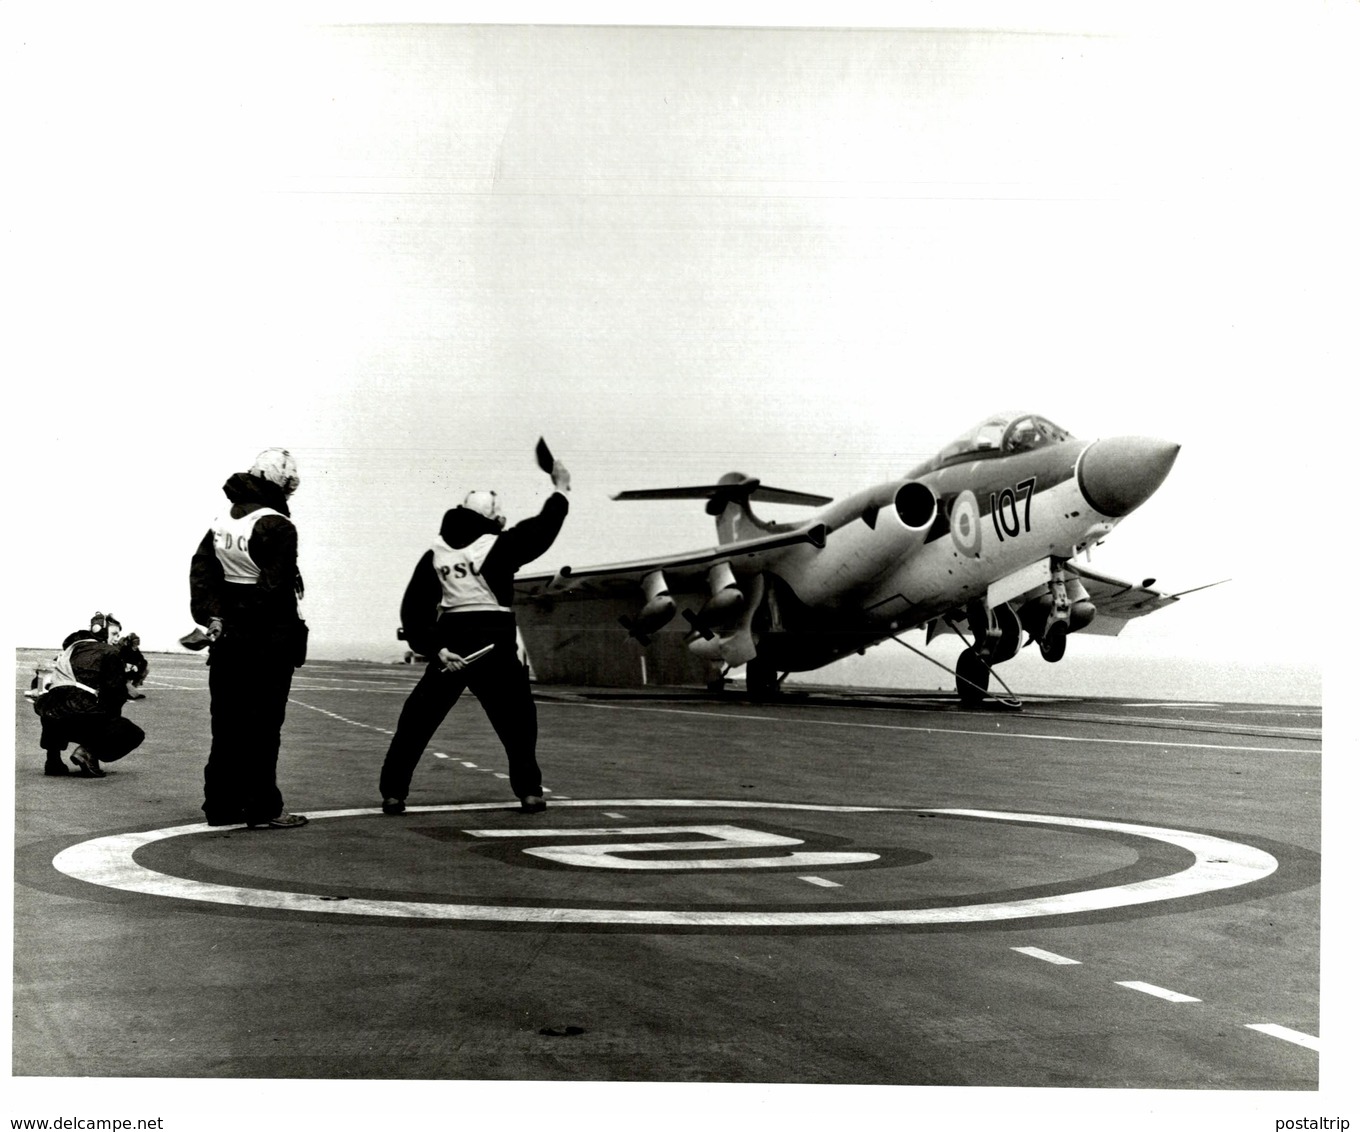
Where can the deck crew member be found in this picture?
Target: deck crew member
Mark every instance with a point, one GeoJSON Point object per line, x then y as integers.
{"type": "Point", "coordinates": [80, 700]}
{"type": "Point", "coordinates": [457, 602]}
{"type": "Point", "coordinates": [244, 586]}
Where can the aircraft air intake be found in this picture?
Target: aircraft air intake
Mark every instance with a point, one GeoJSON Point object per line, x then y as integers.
{"type": "Point", "coordinates": [915, 505]}
{"type": "Point", "coordinates": [1121, 473]}
{"type": "Point", "coordinates": [869, 535]}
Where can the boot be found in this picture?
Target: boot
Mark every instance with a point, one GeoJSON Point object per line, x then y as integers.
{"type": "Point", "coordinates": [86, 763]}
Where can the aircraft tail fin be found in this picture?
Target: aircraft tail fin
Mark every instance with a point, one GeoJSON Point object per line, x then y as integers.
{"type": "Point", "coordinates": [729, 502]}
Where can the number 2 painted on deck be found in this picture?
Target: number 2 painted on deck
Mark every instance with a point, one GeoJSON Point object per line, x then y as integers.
{"type": "Point", "coordinates": [1006, 511]}
{"type": "Point", "coordinates": [685, 854]}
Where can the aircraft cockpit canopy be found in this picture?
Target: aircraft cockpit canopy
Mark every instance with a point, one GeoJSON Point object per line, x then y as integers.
{"type": "Point", "coordinates": [1003, 435]}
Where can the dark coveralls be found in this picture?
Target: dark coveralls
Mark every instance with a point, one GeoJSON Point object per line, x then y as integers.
{"type": "Point", "coordinates": [498, 679]}
{"type": "Point", "coordinates": [94, 721]}
{"type": "Point", "coordinates": [250, 666]}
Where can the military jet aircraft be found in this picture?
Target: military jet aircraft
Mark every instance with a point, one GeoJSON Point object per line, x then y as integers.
{"type": "Point", "coordinates": [982, 538]}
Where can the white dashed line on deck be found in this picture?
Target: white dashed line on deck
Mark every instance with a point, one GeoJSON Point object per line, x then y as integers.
{"type": "Point", "coordinates": [338, 716]}
{"type": "Point", "coordinates": [1286, 1034]}
{"type": "Point", "coordinates": [1271, 1029]}
{"type": "Point", "coordinates": [822, 883]}
{"type": "Point", "coordinates": [1046, 956]}
{"type": "Point", "coordinates": [1158, 992]}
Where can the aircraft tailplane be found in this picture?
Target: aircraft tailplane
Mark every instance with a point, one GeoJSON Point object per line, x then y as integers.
{"type": "Point", "coordinates": [729, 502]}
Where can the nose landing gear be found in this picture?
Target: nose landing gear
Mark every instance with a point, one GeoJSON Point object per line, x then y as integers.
{"type": "Point", "coordinates": [1053, 643]}
{"type": "Point", "coordinates": [1053, 640]}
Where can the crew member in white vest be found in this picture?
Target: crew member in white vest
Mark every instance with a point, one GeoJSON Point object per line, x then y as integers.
{"type": "Point", "coordinates": [244, 587]}
{"type": "Point", "coordinates": [458, 602]}
{"type": "Point", "coordinates": [80, 700]}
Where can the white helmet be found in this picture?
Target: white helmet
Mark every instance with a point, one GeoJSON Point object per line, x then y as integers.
{"type": "Point", "coordinates": [278, 467]}
{"type": "Point", "coordinates": [485, 504]}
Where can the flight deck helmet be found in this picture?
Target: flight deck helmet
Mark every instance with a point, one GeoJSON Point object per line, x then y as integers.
{"type": "Point", "coordinates": [486, 504]}
{"type": "Point", "coordinates": [278, 467]}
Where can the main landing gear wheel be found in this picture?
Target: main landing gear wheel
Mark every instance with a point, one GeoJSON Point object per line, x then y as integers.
{"type": "Point", "coordinates": [762, 681]}
{"type": "Point", "coordinates": [1054, 642]}
{"type": "Point", "coordinates": [972, 674]}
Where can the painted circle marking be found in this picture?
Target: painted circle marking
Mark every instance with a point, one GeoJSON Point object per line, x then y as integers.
{"type": "Point", "coordinates": [1218, 864]}
{"type": "Point", "coordinates": [964, 527]}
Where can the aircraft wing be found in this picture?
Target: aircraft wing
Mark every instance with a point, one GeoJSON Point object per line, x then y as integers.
{"type": "Point", "coordinates": [1117, 602]}
{"type": "Point", "coordinates": [751, 489]}
{"type": "Point", "coordinates": [685, 573]}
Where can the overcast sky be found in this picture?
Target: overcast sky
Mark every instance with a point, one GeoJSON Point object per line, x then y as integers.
{"type": "Point", "coordinates": [815, 256]}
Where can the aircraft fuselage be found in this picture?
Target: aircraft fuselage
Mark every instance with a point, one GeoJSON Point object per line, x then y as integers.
{"type": "Point", "coordinates": [995, 525]}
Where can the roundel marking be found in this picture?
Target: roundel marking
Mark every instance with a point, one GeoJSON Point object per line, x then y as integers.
{"type": "Point", "coordinates": [1218, 864]}
{"type": "Point", "coordinates": [964, 525]}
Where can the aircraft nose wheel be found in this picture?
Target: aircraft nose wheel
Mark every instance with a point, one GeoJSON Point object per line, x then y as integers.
{"type": "Point", "coordinates": [1054, 642]}
{"type": "Point", "coordinates": [972, 675]}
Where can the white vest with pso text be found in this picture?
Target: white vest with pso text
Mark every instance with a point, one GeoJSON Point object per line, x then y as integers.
{"type": "Point", "coordinates": [460, 574]}
{"type": "Point", "coordinates": [231, 540]}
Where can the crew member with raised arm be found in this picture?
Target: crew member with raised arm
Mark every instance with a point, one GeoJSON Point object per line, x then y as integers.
{"type": "Point", "coordinates": [457, 610]}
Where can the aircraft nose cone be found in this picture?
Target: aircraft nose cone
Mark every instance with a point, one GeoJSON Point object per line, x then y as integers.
{"type": "Point", "coordinates": [1119, 474]}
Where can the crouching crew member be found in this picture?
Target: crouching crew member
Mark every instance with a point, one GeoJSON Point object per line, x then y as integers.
{"type": "Point", "coordinates": [457, 603]}
{"type": "Point", "coordinates": [244, 586]}
{"type": "Point", "coordinates": [81, 701]}
{"type": "Point", "coordinates": [106, 627]}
